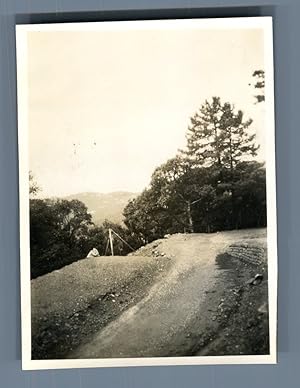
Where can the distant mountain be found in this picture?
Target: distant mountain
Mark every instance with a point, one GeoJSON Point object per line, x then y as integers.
{"type": "Point", "coordinates": [108, 206]}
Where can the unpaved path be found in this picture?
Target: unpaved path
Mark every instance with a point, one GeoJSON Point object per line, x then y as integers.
{"type": "Point", "coordinates": [185, 309]}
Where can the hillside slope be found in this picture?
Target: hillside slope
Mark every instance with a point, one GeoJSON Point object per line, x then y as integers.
{"type": "Point", "coordinates": [196, 300]}
{"type": "Point", "coordinates": [186, 296]}
{"type": "Point", "coordinates": [71, 303]}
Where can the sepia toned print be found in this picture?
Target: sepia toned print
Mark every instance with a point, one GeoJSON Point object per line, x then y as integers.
{"type": "Point", "coordinates": [147, 193]}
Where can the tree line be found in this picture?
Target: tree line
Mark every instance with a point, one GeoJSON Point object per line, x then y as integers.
{"type": "Point", "coordinates": [62, 231]}
{"type": "Point", "coordinates": [214, 183]}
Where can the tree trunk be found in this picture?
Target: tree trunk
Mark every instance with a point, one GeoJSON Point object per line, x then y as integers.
{"type": "Point", "coordinates": [189, 217]}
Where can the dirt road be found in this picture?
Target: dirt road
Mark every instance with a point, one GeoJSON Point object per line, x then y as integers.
{"type": "Point", "coordinates": [187, 310]}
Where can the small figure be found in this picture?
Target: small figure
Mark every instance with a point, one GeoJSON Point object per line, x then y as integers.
{"type": "Point", "coordinates": [93, 253]}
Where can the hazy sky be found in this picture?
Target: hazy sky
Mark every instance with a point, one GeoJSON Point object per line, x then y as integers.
{"type": "Point", "coordinates": [107, 107]}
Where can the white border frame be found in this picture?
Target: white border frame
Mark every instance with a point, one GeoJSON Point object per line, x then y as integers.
{"type": "Point", "coordinates": [264, 23]}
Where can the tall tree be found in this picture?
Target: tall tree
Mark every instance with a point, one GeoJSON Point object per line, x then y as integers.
{"type": "Point", "coordinates": [33, 186]}
{"type": "Point", "coordinates": [259, 77]}
{"type": "Point", "coordinates": [179, 188]}
{"type": "Point", "coordinates": [73, 219]}
{"type": "Point", "coordinates": [210, 185]}
{"type": "Point", "coordinates": [59, 230]}
{"type": "Point", "coordinates": [172, 192]}
{"type": "Point", "coordinates": [145, 218]}
{"type": "Point", "coordinates": [218, 136]}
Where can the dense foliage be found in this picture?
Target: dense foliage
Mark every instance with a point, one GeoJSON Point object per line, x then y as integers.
{"type": "Point", "coordinates": [62, 232]}
{"type": "Point", "coordinates": [213, 184]}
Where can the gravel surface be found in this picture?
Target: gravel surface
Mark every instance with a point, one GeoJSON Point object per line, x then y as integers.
{"type": "Point", "coordinates": [187, 311]}
{"type": "Point", "coordinates": [70, 304]}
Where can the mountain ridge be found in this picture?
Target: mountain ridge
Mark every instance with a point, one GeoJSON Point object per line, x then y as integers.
{"type": "Point", "coordinates": [104, 206]}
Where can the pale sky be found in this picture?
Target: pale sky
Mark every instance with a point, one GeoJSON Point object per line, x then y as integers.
{"type": "Point", "coordinates": [107, 107]}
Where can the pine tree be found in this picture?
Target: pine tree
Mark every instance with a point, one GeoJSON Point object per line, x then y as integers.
{"type": "Point", "coordinates": [217, 136]}
{"type": "Point", "coordinates": [259, 76]}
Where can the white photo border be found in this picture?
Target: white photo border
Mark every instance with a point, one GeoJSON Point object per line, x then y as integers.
{"type": "Point", "coordinates": [264, 23]}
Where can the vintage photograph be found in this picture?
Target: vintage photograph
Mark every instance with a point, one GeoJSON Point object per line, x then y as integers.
{"type": "Point", "coordinates": [147, 193]}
